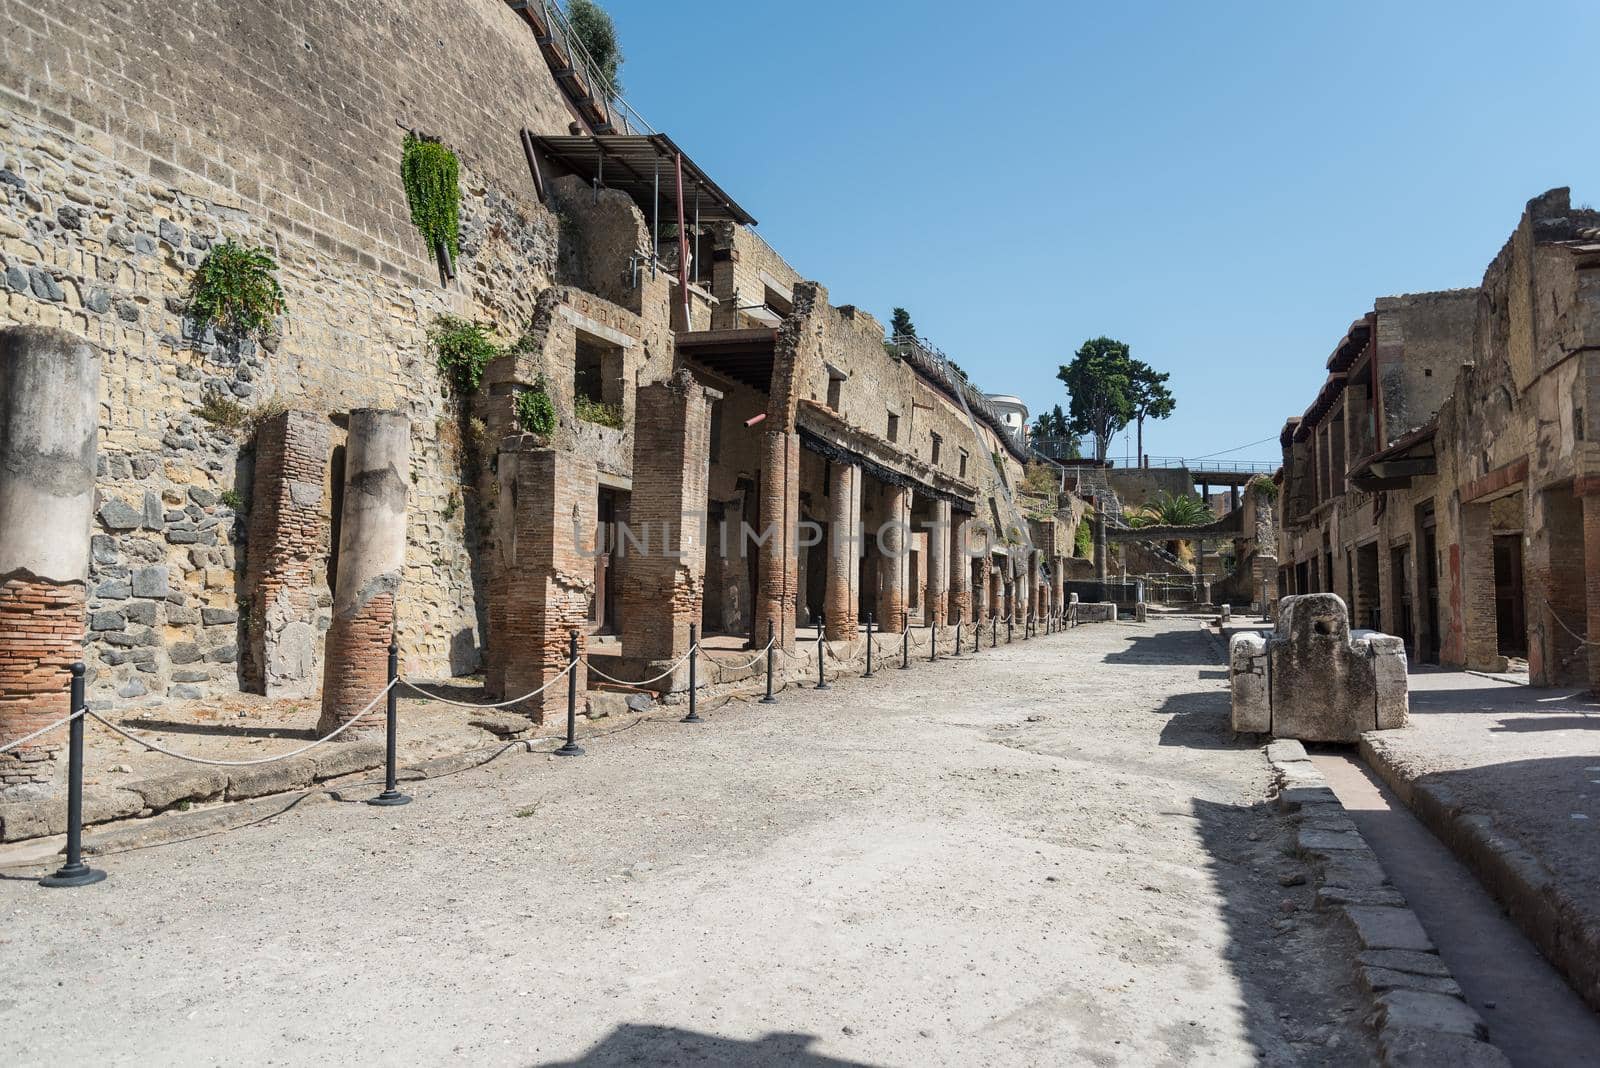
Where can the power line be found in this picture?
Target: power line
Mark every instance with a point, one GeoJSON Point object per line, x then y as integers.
{"type": "Point", "coordinates": [1237, 448]}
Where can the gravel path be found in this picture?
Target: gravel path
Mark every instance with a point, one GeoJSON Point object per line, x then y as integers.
{"type": "Point", "coordinates": [1053, 854]}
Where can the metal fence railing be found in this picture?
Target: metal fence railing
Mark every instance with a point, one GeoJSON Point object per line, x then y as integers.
{"type": "Point", "coordinates": [564, 42]}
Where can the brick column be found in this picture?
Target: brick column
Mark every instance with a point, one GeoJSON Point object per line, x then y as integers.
{"type": "Point", "coordinates": [49, 423]}
{"type": "Point", "coordinates": [960, 570]}
{"type": "Point", "coordinates": [372, 557]}
{"type": "Point", "coordinates": [547, 537]}
{"type": "Point", "coordinates": [842, 594]}
{"type": "Point", "coordinates": [777, 565]}
{"type": "Point", "coordinates": [1556, 581]}
{"type": "Point", "coordinates": [1477, 589]}
{"type": "Point", "coordinates": [894, 569]}
{"type": "Point", "coordinates": [663, 587]}
{"type": "Point", "coordinates": [286, 536]}
{"type": "Point", "coordinates": [938, 612]}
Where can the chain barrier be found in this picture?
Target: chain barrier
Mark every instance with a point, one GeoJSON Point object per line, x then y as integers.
{"type": "Point", "coordinates": [1580, 638]}
{"type": "Point", "coordinates": [26, 738]}
{"type": "Point", "coordinates": [330, 736]}
{"type": "Point", "coordinates": [408, 684]}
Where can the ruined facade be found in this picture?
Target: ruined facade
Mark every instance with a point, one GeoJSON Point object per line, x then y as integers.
{"type": "Point", "coordinates": [1443, 483]}
{"type": "Point", "coordinates": [271, 510]}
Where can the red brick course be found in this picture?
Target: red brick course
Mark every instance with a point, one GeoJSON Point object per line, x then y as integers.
{"type": "Point", "coordinates": [358, 667]}
{"type": "Point", "coordinates": [287, 532]}
{"type": "Point", "coordinates": [41, 637]}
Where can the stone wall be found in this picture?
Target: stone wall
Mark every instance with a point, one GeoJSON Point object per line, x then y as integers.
{"type": "Point", "coordinates": [132, 142]}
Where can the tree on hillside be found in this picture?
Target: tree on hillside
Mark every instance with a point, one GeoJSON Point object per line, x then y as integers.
{"type": "Point", "coordinates": [598, 35]}
{"type": "Point", "coordinates": [1054, 427]}
{"type": "Point", "coordinates": [900, 325]}
{"type": "Point", "coordinates": [1099, 384]}
{"type": "Point", "coordinates": [1150, 397]}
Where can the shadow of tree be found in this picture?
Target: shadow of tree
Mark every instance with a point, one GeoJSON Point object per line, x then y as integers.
{"type": "Point", "coordinates": [636, 1044]}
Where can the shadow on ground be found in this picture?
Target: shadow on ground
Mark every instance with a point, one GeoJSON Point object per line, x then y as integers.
{"type": "Point", "coordinates": [635, 1044]}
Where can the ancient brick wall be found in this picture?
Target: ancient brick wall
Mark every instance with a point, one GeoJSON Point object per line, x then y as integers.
{"type": "Point", "coordinates": [135, 140]}
{"type": "Point", "coordinates": [41, 637]}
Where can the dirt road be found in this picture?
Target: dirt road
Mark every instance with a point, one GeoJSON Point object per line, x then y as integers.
{"type": "Point", "coordinates": [1051, 854]}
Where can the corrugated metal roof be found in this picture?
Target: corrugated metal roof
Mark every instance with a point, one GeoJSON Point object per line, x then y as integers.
{"type": "Point", "coordinates": [634, 163]}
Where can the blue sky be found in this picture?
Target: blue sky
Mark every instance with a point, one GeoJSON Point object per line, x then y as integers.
{"type": "Point", "coordinates": [1225, 186]}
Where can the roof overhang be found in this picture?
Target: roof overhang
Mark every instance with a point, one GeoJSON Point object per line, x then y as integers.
{"type": "Point", "coordinates": [643, 166]}
{"type": "Point", "coordinates": [1412, 456]}
{"type": "Point", "coordinates": [745, 356]}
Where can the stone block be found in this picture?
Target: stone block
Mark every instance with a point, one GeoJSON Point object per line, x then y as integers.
{"type": "Point", "coordinates": [201, 784]}
{"type": "Point", "coordinates": [1415, 1010]}
{"type": "Point", "coordinates": [333, 761]}
{"type": "Point", "coordinates": [1390, 668]}
{"type": "Point", "coordinates": [1320, 842]}
{"type": "Point", "coordinates": [1379, 980]}
{"type": "Point", "coordinates": [1438, 1049]}
{"type": "Point", "coordinates": [1247, 679]}
{"type": "Point", "coordinates": [1285, 749]}
{"type": "Point", "coordinates": [151, 582]}
{"type": "Point", "coordinates": [1388, 928]}
{"type": "Point", "coordinates": [1324, 679]}
{"type": "Point", "coordinates": [119, 515]}
{"type": "Point", "coordinates": [1405, 960]}
{"type": "Point", "coordinates": [1354, 870]}
{"type": "Point", "coordinates": [291, 774]}
{"type": "Point", "coordinates": [1329, 896]}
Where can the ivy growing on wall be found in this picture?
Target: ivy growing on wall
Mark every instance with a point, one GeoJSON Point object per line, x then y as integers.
{"type": "Point", "coordinates": [236, 289]}
{"type": "Point", "coordinates": [431, 173]}
{"type": "Point", "coordinates": [1265, 487]}
{"type": "Point", "coordinates": [536, 413]}
{"type": "Point", "coordinates": [463, 349]}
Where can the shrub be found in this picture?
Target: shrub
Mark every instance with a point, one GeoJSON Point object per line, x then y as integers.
{"type": "Point", "coordinates": [1265, 487]}
{"type": "Point", "coordinates": [236, 288]}
{"type": "Point", "coordinates": [221, 410]}
{"type": "Point", "coordinates": [463, 349]}
{"type": "Point", "coordinates": [431, 173]}
{"type": "Point", "coordinates": [591, 411]}
{"type": "Point", "coordinates": [231, 500]}
{"type": "Point", "coordinates": [1083, 539]}
{"type": "Point", "coordinates": [535, 412]}
{"type": "Point", "coordinates": [598, 35]}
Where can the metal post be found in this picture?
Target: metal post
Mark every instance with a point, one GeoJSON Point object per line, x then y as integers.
{"type": "Point", "coordinates": [75, 872]}
{"type": "Point", "coordinates": [822, 676]}
{"type": "Point", "coordinates": [1009, 638]}
{"type": "Point", "coordinates": [572, 748]}
{"type": "Point", "coordinates": [868, 673]}
{"type": "Point", "coordinates": [977, 633]}
{"type": "Point", "coordinates": [694, 686]}
{"type": "Point", "coordinates": [958, 638]}
{"type": "Point", "coordinates": [772, 649]}
{"type": "Point", "coordinates": [994, 631]}
{"type": "Point", "coordinates": [391, 784]}
{"type": "Point", "coordinates": [933, 643]}
{"type": "Point", "coordinates": [905, 645]}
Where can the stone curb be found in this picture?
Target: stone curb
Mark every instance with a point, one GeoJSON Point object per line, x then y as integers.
{"type": "Point", "coordinates": [1421, 1018]}
{"type": "Point", "coordinates": [1518, 880]}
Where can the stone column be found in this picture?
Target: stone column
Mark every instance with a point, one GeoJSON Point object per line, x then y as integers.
{"type": "Point", "coordinates": [895, 567]}
{"type": "Point", "coordinates": [939, 564]}
{"type": "Point", "coordinates": [777, 563]}
{"type": "Point", "coordinates": [1591, 585]}
{"type": "Point", "coordinates": [372, 557]}
{"type": "Point", "coordinates": [663, 588]}
{"type": "Point", "coordinates": [286, 537]}
{"type": "Point", "coordinates": [549, 505]}
{"type": "Point", "coordinates": [842, 594]}
{"type": "Point", "coordinates": [1058, 581]}
{"type": "Point", "coordinates": [49, 431]}
{"type": "Point", "coordinates": [1099, 528]}
{"type": "Point", "coordinates": [961, 570]}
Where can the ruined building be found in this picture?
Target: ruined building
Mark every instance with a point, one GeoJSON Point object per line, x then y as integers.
{"type": "Point", "coordinates": [1443, 483]}
{"type": "Point", "coordinates": [263, 510]}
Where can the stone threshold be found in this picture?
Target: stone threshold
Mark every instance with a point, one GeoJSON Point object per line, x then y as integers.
{"type": "Point", "coordinates": [1522, 885]}
{"type": "Point", "coordinates": [1418, 1011]}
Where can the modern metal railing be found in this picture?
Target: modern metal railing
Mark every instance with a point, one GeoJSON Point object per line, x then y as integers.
{"type": "Point", "coordinates": [565, 41]}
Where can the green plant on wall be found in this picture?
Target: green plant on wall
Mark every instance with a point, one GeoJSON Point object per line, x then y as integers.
{"type": "Point", "coordinates": [536, 414]}
{"type": "Point", "coordinates": [431, 173]}
{"type": "Point", "coordinates": [593, 411]}
{"type": "Point", "coordinates": [1083, 540]}
{"type": "Point", "coordinates": [463, 349]}
{"type": "Point", "coordinates": [1264, 487]}
{"type": "Point", "coordinates": [236, 289]}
